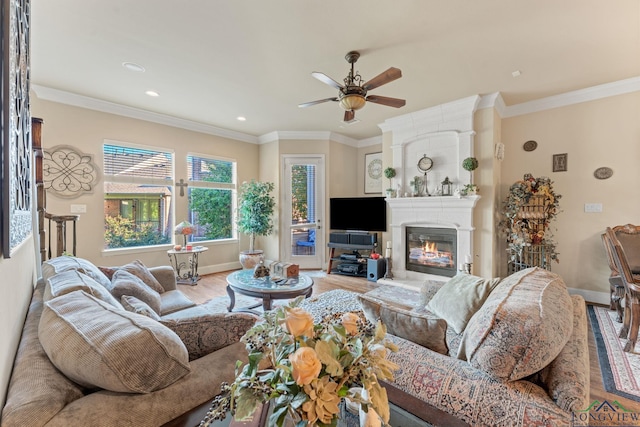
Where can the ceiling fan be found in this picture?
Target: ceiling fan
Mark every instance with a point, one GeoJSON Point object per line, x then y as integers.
{"type": "Point", "coordinates": [352, 95]}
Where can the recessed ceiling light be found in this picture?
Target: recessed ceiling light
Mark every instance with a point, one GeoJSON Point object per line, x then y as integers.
{"type": "Point", "coordinates": [241, 118]}
{"type": "Point", "coordinates": [133, 67]}
{"type": "Point", "coordinates": [152, 93]}
{"type": "Point", "coordinates": [516, 73]}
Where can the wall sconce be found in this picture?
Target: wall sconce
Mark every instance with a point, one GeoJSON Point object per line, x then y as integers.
{"type": "Point", "coordinates": [185, 228]}
{"type": "Point", "coordinates": [446, 187]}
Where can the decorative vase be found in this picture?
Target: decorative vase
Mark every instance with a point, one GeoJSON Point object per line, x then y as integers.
{"type": "Point", "coordinates": [249, 259]}
{"type": "Point", "coordinates": [260, 270]}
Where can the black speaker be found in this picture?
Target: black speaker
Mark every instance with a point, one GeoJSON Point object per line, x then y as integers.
{"type": "Point", "coordinates": [376, 269]}
{"type": "Point", "coordinates": [339, 238]}
{"type": "Point", "coordinates": [362, 239]}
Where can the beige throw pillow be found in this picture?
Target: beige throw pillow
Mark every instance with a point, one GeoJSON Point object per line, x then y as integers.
{"type": "Point", "coordinates": [125, 283]}
{"type": "Point", "coordinates": [134, 305]}
{"type": "Point", "coordinates": [138, 269]}
{"type": "Point", "coordinates": [73, 280]}
{"type": "Point", "coordinates": [421, 328]}
{"type": "Point", "coordinates": [460, 298]}
{"type": "Point", "coordinates": [65, 263]}
{"type": "Point", "coordinates": [97, 345]}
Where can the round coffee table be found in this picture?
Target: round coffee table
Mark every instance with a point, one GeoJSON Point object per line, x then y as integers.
{"type": "Point", "coordinates": [243, 282]}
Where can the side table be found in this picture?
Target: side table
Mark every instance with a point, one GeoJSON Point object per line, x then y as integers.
{"type": "Point", "coordinates": [185, 263]}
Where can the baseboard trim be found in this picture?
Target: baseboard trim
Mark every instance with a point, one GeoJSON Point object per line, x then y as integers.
{"type": "Point", "coordinates": [592, 296]}
{"type": "Point", "coordinates": [217, 268]}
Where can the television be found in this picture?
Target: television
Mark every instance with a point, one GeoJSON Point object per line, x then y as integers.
{"type": "Point", "coordinates": [358, 213]}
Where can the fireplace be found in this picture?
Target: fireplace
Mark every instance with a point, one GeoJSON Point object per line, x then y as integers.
{"type": "Point", "coordinates": [431, 250]}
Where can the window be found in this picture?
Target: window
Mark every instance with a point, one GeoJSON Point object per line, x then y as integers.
{"type": "Point", "coordinates": [138, 196]}
{"type": "Point", "coordinates": [211, 197]}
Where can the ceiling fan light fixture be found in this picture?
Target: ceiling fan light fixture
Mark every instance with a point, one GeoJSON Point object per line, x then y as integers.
{"type": "Point", "coordinates": [352, 101]}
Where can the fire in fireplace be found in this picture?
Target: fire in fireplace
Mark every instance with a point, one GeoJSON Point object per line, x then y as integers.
{"type": "Point", "coordinates": [431, 250]}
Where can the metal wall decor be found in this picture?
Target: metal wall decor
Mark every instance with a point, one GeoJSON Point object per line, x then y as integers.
{"type": "Point", "coordinates": [16, 130]}
{"type": "Point", "coordinates": [67, 172]}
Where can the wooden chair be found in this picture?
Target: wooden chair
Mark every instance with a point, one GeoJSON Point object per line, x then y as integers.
{"type": "Point", "coordinates": [631, 282]}
{"type": "Point", "coordinates": [616, 287]}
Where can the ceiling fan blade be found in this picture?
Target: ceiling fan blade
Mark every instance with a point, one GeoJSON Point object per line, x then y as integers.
{"type": "Point", "coordinates": [327, 80]}
{"type": "Point", "coordinates": [383, 78]}
{"type": "Point", "coordinates": [320, 101]}
{"type": "Point", "coordinates": [349, 116]}
{"type": "Point", "coordinates": [384, 100]}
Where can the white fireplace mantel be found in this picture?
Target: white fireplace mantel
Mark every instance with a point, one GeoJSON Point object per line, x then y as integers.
{"type": "Point", "coordinates": [437, 211]}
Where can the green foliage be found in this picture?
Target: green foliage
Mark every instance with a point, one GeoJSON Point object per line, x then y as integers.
{"type": "Point", "coordinates": [389, 173]}
{"type": "Point", "coordinates": [122, 233]}
{"type": "Point", "coordinates": [470, 164]}
{"type": "Point", "coordinates": [299, 204]}
{"type": "Point", "coordinates": [255, 209]}
{"type": "Point", "coordinates": [213, 206]}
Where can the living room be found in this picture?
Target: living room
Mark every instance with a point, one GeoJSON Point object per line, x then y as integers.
{"type": "Point", "coordinates": [596, 125]}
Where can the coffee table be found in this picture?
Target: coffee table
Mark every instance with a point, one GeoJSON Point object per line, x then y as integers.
{"type": "Point", "coordinates": [243, 282]}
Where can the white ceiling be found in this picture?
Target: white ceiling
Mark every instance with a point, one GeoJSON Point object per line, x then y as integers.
{"type": "Point", "coordinates": [214, 60]}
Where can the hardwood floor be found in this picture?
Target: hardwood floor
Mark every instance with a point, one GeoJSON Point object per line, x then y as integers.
{"type": "Point", "coordinates": [214, 285]}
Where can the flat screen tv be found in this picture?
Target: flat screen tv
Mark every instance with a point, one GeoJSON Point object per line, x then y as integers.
{"type": "Point", "coordinates": [358, 213]}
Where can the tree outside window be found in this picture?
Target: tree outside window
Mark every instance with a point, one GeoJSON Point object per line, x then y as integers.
{"type": "Point", "coordinates": [211, 202]}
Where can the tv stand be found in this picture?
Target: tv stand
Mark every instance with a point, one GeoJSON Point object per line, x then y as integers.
{"type": "Point", "coordinates": [348, 260]}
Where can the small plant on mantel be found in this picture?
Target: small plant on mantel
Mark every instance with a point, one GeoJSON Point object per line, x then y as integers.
{"type": "Point", "coordinates": [390, 173]}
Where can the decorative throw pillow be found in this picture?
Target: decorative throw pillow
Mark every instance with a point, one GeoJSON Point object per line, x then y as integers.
{"type": "Point", "coordinates": [97, 345]}
{"type": "Point", "coordinates": [65, 263]}
{"type": "Point", "coordinates": [421, 328]}
{"type": "Point", "coordinates": [460, 298]}
{"type": "Point", "coordinates": [522, 326]}
{"type": "Point", "coordinates": [134, 305]}
{"type": "Point", "coordinates": [72, 280]}
{"type": "Point", "coordinates": [125, 283]}
{"type": "Point", "coordinates": [138, 269]}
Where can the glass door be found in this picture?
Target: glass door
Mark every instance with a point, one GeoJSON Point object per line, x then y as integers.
{"type": "Point", "coordinates": [302, 237]}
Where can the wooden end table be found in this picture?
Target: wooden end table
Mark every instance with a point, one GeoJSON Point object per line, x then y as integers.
{"type": "Point", "coordinates": [243, 282]}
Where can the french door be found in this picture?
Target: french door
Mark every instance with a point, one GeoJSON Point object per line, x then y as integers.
{"type": "Point", "coordinates": [302, 202]}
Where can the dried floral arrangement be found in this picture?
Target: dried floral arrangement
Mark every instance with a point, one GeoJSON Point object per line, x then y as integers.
{"type": "Point", "coordinates": [527, 213]}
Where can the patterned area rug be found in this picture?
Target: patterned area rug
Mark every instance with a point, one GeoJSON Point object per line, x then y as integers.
{"type": "Point", "coordinates": [620, 370]}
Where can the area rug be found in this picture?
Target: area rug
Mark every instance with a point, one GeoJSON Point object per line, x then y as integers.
{"type": "Point", "coordinates": [620, 370]}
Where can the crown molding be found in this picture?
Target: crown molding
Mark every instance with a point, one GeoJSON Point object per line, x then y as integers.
{"type": "Point", "coordinates": [306, 136]}
{"type": "Point", "coordinates": [68, 98]}
{"type": "Point", "coordinates": [593, 93]}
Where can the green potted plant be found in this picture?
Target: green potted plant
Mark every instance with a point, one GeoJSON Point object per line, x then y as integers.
{"type": "Point", "coordinates": [255, 211]}
{"type": "Point", "coordinates": [389, 173]}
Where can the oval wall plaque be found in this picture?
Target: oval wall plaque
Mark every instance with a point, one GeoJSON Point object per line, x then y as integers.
{"type": "Point", "coordinates": [603, 173]}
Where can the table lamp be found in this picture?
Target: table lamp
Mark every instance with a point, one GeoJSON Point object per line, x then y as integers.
{"type": "Point", "coordinates": [185, 228]}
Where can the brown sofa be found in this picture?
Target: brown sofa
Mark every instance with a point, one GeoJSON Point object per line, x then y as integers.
{"type": "Point", "coordinates": [178, 365]}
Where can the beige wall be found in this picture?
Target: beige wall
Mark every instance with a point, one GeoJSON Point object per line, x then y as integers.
{"type": "Point", "coordinates": [594, 134]}
{"type": "Point", "coordinates": [86, 130]}
{"type": "Point", "coordinates": [18, 273]}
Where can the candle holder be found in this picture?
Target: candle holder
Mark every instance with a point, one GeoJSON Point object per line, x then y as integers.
{"type": "Point", "coordinates": [387, 273]}
{"type": "Point", "coordinates": [466, 267]}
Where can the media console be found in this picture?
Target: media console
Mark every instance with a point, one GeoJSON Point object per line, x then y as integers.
{"type": "Point", "coordinates": [350, 261]}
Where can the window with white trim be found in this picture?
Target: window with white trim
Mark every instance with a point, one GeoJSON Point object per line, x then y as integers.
{"type": "Point", "coordinates": [212, 190]}
{"type": "Point", "coordinates": [138, 195]}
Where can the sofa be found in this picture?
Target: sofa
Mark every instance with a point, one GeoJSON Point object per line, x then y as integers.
{"type": "Point", "coordinates": [117, 346]}
{"type": "Point", "coordinates": [481, 352]}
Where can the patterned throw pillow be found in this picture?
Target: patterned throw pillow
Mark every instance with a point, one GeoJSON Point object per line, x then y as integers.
{"type": "Point", "coordinates": [460, 298]}
{"type": "Point", "coordinates": [138, 269]}
{"type": "Point", "coordinates": [72, 280]}
{"type": "Point", "coordinates": [134, 305]}
{"type": "Point", "coordinates": [97, 345]}
{"type": "Point", "coordinates": [125, 283]}
{"type": "Point", "coordinates": [522, 326]}
{"type": "Point", "coordinates": [422, 328]}
{"type": "Point", "coordinates": [65, 263]}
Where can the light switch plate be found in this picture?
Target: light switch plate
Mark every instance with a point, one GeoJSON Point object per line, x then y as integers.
{"type": "Point", "coordinates": [593, 207]}
{"type": "Point", "coordinates": [78, 209]}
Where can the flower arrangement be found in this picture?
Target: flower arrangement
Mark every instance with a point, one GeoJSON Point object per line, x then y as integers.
{"type": "Point", "coordinates": [312, 367]}
{"type": "Point", "coordinates": [527, 212]}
